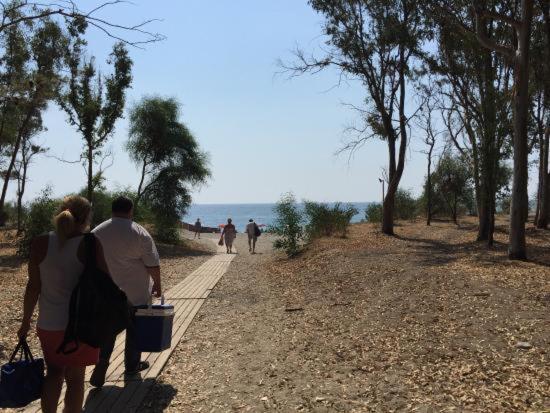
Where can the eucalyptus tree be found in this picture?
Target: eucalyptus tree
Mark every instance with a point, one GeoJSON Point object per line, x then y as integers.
{"type": "Point", "coordinates": [31, 65]}
{"type": "Point", "coordinates": [29, 150]}
{"type": "Point", "coordinates": [94, 102]}
{"type": "Point", "coordinates": [375, 42]}
{"type": "Point", "coordinates": [516, 51]}
{"type": "Point", "coordinates": [540, 109]}
{"type": "Point", "coordinates": [169, 158]}
{"type": "Point", "coordinates": [475, 85]}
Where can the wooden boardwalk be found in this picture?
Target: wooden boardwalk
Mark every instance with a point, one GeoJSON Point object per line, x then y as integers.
{"type": "Point", "coordinates": [125, 394]}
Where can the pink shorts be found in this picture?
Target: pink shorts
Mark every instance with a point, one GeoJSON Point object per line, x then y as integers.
{"type": "Point", "coordinates": [50, 342]}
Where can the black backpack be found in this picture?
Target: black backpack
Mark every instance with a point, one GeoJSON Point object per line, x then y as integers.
{"type": "Point", "coordinates": [257, 231]}
{"type": "Point", "coordinates": [98, 309]}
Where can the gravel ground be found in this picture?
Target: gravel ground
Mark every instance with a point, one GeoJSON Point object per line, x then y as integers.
{"type": "Point", "coordinates": [428, 321]}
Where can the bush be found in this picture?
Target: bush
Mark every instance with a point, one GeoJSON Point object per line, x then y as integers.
{"type": "Point", "coordinates": [373, 213]}
{"type": "Point", "coordinates": [288, 226]}
{"type": "Point", "coordinates": [405, 205]}
{"type": "Point", "coordinates": [38, 220]}
{"type": "Point", "coordinates": [326, 221]}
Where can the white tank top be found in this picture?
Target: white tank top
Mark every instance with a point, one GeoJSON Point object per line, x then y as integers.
{"type": "Point", "coordinates": [59, 273]}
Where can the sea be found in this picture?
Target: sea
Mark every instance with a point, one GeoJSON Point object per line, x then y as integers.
{"type": "Point", "coordinates": [213, 215]}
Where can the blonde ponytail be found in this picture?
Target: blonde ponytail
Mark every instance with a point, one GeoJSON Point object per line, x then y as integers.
{"type": "Point", "coordinates": [65, 224]}
{"type": "Point", "coordinates": [73, 216]}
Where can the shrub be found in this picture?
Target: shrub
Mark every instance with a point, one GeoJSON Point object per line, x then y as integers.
{"type": "Point", "coordinates": [288, 226]}
{"type": "Point", "coordinates": [405, 204]}
{"type": "Point", "coordinates": [373, 213]}
{"type": "Point", "coordinates": [324, 220]}
{"type": "Point", "coordinates": [38, 220]}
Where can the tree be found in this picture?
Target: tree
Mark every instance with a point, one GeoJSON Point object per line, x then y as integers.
{"type": "Point", "coordinates": [375, 42]}
{"type": "Point", "coordinates": [426, 123]}
{"type": "Point", "coordinates": [29, 150]}
{"type": "Point", "coordinates": [541, 110]}
{"type": "Point", "coordinates": [452, 185]}
{"type": "Point", "coordinates": [169, 158]}
{"type": "Point", "coordinates": [518, 54]}
{"type": "Point", "coordinates": [474, 88]}
{"type": "Point", "coordinates": [94, 102]}
{"type": "Point", "coordinates": [32, 61]}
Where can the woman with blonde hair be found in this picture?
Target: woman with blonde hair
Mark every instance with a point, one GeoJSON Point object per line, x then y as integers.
{"type": "Point", "coordinates": [55, 265]}
{"type": "Point", "coordinates": [229, 234]}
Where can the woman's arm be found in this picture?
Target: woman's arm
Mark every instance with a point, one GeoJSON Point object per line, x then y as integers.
{"type": "Point", "coordinates": [32, 291]}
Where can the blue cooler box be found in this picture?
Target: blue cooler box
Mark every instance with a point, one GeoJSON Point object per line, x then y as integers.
{"type": "Point", "coordinates": [153, 325]}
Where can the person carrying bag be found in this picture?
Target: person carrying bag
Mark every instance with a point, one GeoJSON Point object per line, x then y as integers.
{"type": "Point", "coordinates": [58, 262]}
{"type": "Point", "coordinates": [98, 309]}
{"type": "Point", "coordinates": [21, 379]}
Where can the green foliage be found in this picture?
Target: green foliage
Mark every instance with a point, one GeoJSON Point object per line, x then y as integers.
{"type": "Point", "coordinates": [405, 205]}
{"type": "Point", "coordinates": [94, 102]}
{"type": "Point", "coordinates": [288, 226]}
{"type": "Point", "coordinates": [373, 213]}
{"type": "Point", "coordinates": [324, 220]}
{"type": "Point", "coordinates": [453, 192]}
{"type": "Point", "coordinates": [38, 220]}
{"type": "Point", "coordinates": [170, 161]}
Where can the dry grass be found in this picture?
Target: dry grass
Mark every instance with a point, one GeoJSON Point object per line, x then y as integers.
{"type": "Point", "coordinates": [427, 321]}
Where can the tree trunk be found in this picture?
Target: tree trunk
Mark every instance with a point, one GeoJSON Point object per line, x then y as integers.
{"type": "Point", "coordinates": [397, 171]}
{"type": "Point", "coordinates": [544, 185]}
{"type": "Point", "coordinates": [20, 193]}
{"type": "Point", "coordinates": [519, 208]}
{"type": "Point", "coordinates": [7, 178]}
{"type": "Point", "coordinates": [429, 187]}
{"type": "Point", "coordinates": [90, 156]}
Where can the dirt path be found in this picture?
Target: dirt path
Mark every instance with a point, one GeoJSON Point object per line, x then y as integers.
{"type": "Point", "coordinates": [428, 321]}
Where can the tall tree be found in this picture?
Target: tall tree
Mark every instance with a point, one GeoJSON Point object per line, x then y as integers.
{"type": "Point", "coordinates": [33, 61]}
{"type": "Point", "coordinates": [541, 109]}
{"type": "Point", "coordinates": [94, 102]}
{"type": "Point", "coordinates": [169, 158]}
{"type": "Point", "coordinates": [518, 54]}
{"type": "Point", "coordinates": [475, 88]}
{"type": "Point", "coordinates": [29, 150]}
{"type": "Point", "coordinates": [375, 42]}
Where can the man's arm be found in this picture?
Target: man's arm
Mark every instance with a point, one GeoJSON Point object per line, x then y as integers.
{"type": "Point", "coordinates": [154, 273]}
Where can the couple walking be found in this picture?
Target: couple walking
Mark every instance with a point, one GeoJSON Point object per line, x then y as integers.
{"type": "Point", "coordinates": [229, 234]}
{"type": "Point", "coordinates": [126, 251]}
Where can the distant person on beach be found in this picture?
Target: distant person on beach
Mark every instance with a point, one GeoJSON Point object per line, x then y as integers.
{"type": "Point", "coordinates": [252, 230]}
{"type": "Point", "coordinates": [55, 265]}
{"type": "Point", "coordinates": [132, 257]}
{"type": "Point", "coordinates": [198, 228]}
{"type": "Point", "coordinates": [229, 233]}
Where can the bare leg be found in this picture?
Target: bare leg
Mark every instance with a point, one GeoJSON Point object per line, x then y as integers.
{"type": "Point", "coordinates": [249, 243]}
{"type": "Point", "coordinates": [52, 389]}
{"type": "Point", "coordinates": [254, 245]}
{"type": "Point", "coordinates": [74, 397]}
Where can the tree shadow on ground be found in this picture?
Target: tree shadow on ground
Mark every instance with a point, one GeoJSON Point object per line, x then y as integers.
{"type": "Point", "coordinates": [432, 252]}
{"type": "Point", "coordinates": [106, 398]}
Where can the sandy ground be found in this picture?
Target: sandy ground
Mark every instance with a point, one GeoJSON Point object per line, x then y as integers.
{"type": "Point", "coordinates": [428, 321]}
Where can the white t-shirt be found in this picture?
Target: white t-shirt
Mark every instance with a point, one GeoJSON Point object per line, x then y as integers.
{"type": "Point", "coordinates": [129, 250]}
{"type": "Point", "coordinates": [251, 229]}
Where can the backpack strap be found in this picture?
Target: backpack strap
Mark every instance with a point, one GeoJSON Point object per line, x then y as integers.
{"type": "Point", "coordinates": [90, 248]}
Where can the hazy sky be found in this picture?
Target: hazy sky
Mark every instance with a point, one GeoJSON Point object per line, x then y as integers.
{"type": "Point", "coordinates": [265, 134]}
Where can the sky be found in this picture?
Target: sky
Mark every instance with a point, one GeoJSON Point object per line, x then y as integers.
{"type": "Point", "coordinates": [265, 134]}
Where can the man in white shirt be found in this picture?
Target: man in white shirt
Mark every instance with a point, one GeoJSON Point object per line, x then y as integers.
{"type": "Point", "coordinates": [134, 264]}
{"type": "Point", "coordinates": [252, 232]}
